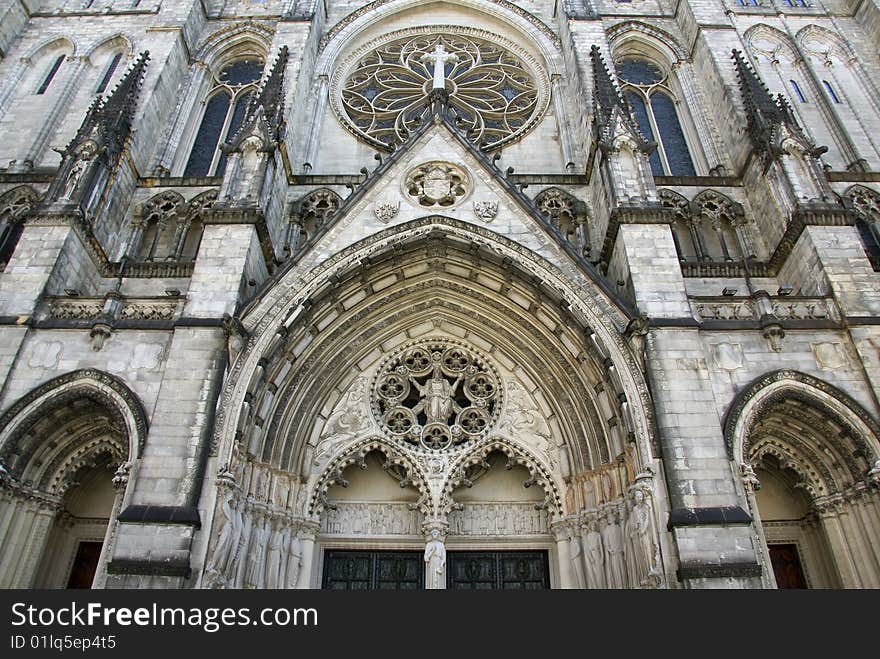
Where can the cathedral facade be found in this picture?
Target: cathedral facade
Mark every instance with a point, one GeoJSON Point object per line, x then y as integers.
{"type": "Point", "coordinates": [465, 294]}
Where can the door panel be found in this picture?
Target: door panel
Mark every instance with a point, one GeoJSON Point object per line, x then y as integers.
{"type": "Point", "coordinates": [499, 570]}
{"type": "Point", "coordinates": [373, 570]}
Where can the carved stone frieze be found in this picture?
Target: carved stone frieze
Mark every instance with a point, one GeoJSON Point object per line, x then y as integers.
{"type": "Point", "coordinates": [375, 519]}
{"type": "Point", "coordinates": [498, 519]}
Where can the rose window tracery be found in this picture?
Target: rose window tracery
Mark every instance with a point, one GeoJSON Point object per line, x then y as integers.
{"type": "Point", "coordinates": [493, 94]}
{"type": "Point", "coordinates": [436, 394]}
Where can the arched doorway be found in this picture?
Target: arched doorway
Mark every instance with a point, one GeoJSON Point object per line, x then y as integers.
{"type": "Point", "coordinates": [66, 449]}
{"type": "Point", "coordinates": [430, 342]}
{"type": "Point", "coordinates": [808, 454]}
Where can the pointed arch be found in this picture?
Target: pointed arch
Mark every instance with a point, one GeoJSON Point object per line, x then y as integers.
{"type": "Point", "coordinates": [26, 458]}
{"type": "Point", "coordinates": [856, 444]}
{"type": "Point", "coordinates": [406, 470]}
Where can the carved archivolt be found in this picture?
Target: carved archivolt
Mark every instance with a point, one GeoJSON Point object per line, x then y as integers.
{"type": "Point", "coordinates": [810, 425]}
{"type": "Point", "coordinates": [286, 311]}
{"type": "Point", "coordinates": [103, 422]}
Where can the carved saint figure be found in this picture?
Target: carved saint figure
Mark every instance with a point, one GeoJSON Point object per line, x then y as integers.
{"type": "Point", "coordinates": [76, 172]}
{"type": "Point", "coordinates": [227, 545]}
{"type": "Point", "coordinates": [612, 538]}
{"type": "Point", "coordinates": [273, 558]}
{"type": "Point", "coordinates": [640, 532]}
{"type": "Point", "coordinates": [256, 560]}
{"type": "Point", "coordinates": [438, 396]}
{"type": "Point", "coordinates": [435, 558]}
{"type": "Point", "coordinates": [595, 555]}
{"type": "Point", "coordinates": [577, 566]}
{"type": "Point", "coordinates": [294, 561]}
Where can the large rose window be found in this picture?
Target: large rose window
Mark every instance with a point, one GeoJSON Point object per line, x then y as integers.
{"type": "Point", "coordinates": [436, 394]}
{"type": "Point", "coordinates": [493, 94]}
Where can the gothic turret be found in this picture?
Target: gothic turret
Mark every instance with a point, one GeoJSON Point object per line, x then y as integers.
{"type": "Point", "coordinates": [251, 146]}
{"type": "Point", "coordinates": [95, 150]}
{"type": "Point", "coordinates": [624, 150]}
{"type": "Point", "coordinates": [777, 137]}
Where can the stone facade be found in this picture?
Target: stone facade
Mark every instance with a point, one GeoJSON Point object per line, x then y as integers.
{"type": "Point", "coordinates": [590, 280]}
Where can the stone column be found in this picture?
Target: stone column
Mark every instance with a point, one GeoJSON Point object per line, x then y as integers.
{"type": "Point", "coordinates": [563, 556]}
{"type": "Point", "coordinates": [34, 546]}
{"type": "Point", "coordinates": [307, 537]}
{"type": "Point", "coordinates": [843, 561]}
{"type": "Point", "coordinates": [751, 484]}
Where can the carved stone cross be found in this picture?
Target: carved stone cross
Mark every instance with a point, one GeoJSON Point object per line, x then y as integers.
{"type": "Point", "coordinates": [439, 58]}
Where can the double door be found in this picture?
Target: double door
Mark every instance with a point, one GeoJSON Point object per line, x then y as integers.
{"type": "Point", "coordinates": [465, 570]}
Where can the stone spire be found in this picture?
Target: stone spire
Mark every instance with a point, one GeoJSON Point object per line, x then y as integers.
{"type": "Point", "coordinates": [622, 149]}
{"type": "Point", "coordinates": [265, 111]}
{"type": "Point", "coordinates": [766, 115]}
{"type": "Point", "coordinates": [610, 109]}
{"type": "Point", "coordinates": [253, 145]}
{"type": "Point", "coordinates": [100, 140]}
{"type": "Point", "coordinates": [778, 138]}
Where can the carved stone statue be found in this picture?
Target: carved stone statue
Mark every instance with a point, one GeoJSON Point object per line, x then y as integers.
{"type": "Point", "coordinates": [435, 558]}
{"type": "Point", "coordinates": [256, 559]}
{"type": "Point", "coordinates": [612, 538]}
{"type": "Point", "coordinates": [294, 561]}
{"type": "Point", "coordinates": [273, 558]}
{"type": "Point", "coordinates": [642, 549]}
{"type": "Point", "coordinates": [595, 557]}
{"type": "Point", "coordinates": [349, 417]}
{"type": "Point", "coordinates": [227, 544]}
{"type": "Point", "coordinates": [438, 396]}
{"type": "Point", "coordinates": [240, 564]}
{"type": "Point", "coordinates": [577, 565]}
{"type": "Point", "coordinates": [80, 165]}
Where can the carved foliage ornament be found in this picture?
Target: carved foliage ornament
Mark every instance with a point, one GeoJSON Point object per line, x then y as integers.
{"type": "Point", "coordinates": [436, 394]}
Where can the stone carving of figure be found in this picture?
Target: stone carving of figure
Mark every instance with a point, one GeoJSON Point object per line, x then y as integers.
{"type": "Point", "coordinates": [294, 561]}
{"type": "Point", "coordinates": [577, 565]}
{"type": "Point", "coordinates": [435, 558]}
{"type": "Point", "coordinates": [83, 159]}
{"type": "Point", "coordinates": [640, 533]}
{"type": "Point", "coordinates": [525, 422]}
{"type": "Point", "coordinates": [242, 551]}
{"type": "Point", "coordinates": [273, 558]}
{"type": "Point", "coordinates": [256, 559]}
{"type": "Point", "coordinates": [595, 555]}
{"type": "Point", "coordinates": [612, 538]}
{"type": "Point", "coordinates": [227, 543]}
{"type": "Point", "coordinates": [438, 396]}
{"type": "Point", "coordinates": [347, 419]}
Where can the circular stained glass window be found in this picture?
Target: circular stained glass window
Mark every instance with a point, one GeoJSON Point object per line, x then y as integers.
{"type": "Point", "coordinates": [495, 95]}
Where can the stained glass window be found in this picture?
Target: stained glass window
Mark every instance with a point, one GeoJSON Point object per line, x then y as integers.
{"type": "Point", "coordinates": [224, 111]}
{"type": "Point", "coordinates": [646, 88]}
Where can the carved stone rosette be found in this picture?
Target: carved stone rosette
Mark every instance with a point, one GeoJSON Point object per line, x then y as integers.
{"type": "Point", "coordinates": [437, 394]}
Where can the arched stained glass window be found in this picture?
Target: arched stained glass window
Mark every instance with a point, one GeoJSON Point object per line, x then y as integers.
{"type": "Point", "coordinates": [646, 88]}
{"type": "Point", "coordinates": [224, 111]}
{"type": "Point", "coordinates": [797, 90]}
